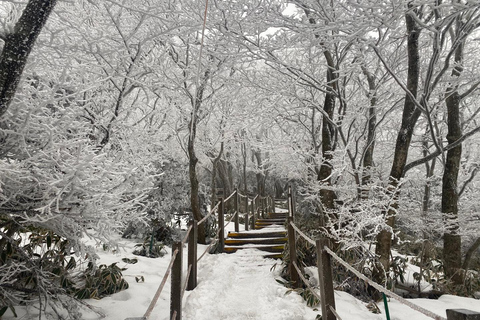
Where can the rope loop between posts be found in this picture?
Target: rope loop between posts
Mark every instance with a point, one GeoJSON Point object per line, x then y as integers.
{"type": "Point", "coordinates": [364, 278]}
{"type": "Point", "coordinates": [309, 240]}
{"type": "Point", "coordinates": [185, 239]}
{"type": "Point", "coordinates": [209, 214]}
{"type": "Point", "coordinates": [382, 289]}
{"type": "Point", "coordinates": [230, 196]}
{"type": "Point", "coordinates": [160, 287]}
{"type": "Point", "coordinates": [231, 218]}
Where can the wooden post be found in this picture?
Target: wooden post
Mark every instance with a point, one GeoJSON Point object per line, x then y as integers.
{"type": "Point", "coordinates": [221, 226]}
{"type": "Point", "coordinates": [192, 255]}
{"type": "Point", "coordinates": [326, 280]}
{"type": "Point", "coordinates": [246, 214]}
{"type": "Point", "coordinates": [253, 213]}
{"type": "Point", "coordinates": [273, 205]}
{"type": "Point", "coordinates": [292, 246]}
{"type": "Point", "coordinates": [264, 207]}
{"type": "Point", "coordinates": [237, 209]}
{"type": "Point", "coordinates": [462, 314]}
{"type": "Point", "coordinates": [176, 284]}
{"type": "Point", "coordinates": [290, 202]}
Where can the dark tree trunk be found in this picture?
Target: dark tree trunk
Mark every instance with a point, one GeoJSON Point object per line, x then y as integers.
{"type": "Point", "coordinates": [213, 191]}
{"type": "Point", "coordinates": [327, 195]}
{"type": "Point", "coordinates": [18, 46]}
{"type": "Point", "coordinates": [452, 243]}
{"type": "Point", "coordinates": [260, 175]}
{"type": "Point", "coordinates": [409, 118]}
{"type": "Point", "coordinates": [194, 195]}
{"type": "Point", "coordinates": [196, 103]}
{"type": "Point", "coordinates": [367, 164]}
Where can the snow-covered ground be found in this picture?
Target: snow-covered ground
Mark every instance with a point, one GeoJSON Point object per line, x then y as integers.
{"type": "Point", "coordinates": [232, 286]}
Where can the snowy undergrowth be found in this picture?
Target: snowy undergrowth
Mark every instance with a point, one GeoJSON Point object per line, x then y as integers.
{"type": "Point", "coordinates": [230, 286]}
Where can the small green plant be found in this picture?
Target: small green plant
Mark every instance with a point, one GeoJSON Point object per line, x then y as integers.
{"type": "Point", "coordinates": [102, 281]}
{"type": "Point", "coordinates": [307, 295]}
{"type": "Point", "coordinates": [150, 248]}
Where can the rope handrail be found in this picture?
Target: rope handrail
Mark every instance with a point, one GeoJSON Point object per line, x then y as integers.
{"type": "Point", "coordinates": [160, 287]}
{"type": "Point", "coordinates": [302, 234]}
{"type": "Point", "coordinates": [382, 289]}
{"type": "Point", "coordinates": [184, 287]}
{"type": "Point", "coordinates": [370, 282]}
{"type": "Point", "coordinates": [242, 195]}
{"type": "Point", "coordinates": [185, 239]}
{"type": "Point", "coordinates": [209, 214]}
{"type": "Point", "coordinates": [231, 218]}
{"type": "Point", "coordinates": [335, 313]}
{"type": "Point", "coordinates": [230, 196]}
{"type": "Point", "coordinates": [300, 274]}
{"type": "Point", "coordinates": [208, 248]}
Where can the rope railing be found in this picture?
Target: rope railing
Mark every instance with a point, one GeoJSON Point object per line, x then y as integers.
{"type": "Point", "coordinates": [230, 196]}
{"type": "Point", "coordinates": [375, 285]}
{"type": "Point", "coordinates": [309, 240]}
{"type": "Point", "coordinates": [208, 248]}
{"type": "Point", "coordinates": [209, 214]}
{"type": "Point", "coordinates": [185, 283]}
{"type": "Point", "coordinates": [185, 238]}
{"type": "Point", "coordinates": [231, 218]}
{"type": "Point", "coordinates": [382, 289]}
{"type": "Point", "coordinates": [160, 287]}
{"type": "Point", "coordinates": [305, 281]}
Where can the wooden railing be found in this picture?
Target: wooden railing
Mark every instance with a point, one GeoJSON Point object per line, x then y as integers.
{"type": "Point", "coordinates": [259, 206]}
{"type": "Point", "coordinates": [324, 257]}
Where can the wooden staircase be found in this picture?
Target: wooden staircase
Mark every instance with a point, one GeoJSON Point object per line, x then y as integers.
{"type": "Point", "coordinates": [269, 235]}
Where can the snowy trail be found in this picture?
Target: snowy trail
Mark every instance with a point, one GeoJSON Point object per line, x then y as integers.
{"type": "Point", "coordinates": [241, 286]}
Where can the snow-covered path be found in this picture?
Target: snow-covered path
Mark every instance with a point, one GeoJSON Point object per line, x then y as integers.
{"type": "Point", "coordinates": [242, 286]}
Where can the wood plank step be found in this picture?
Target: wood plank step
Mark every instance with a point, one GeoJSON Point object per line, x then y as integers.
{"type": "Point", "coordinates": [270, 220]}
{"type": "Point", "coordinates": [267, 234]}
{"type": "Point", "coordinates": [268, 248]}
{"type": "Point", "coordinates": [237, 242]}
{"type": "Point", "coordinates": [269, 223]}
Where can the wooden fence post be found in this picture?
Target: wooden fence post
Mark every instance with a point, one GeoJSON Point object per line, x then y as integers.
{"type": "Point", "coordinates": [273, 205]}
{"type": "Point", "coordinates": [247, 218]}
{"type": "Point", "coordinates": [253, 213]}
{"type": "Point", "coordinates": [326, 280]}
{"type": "Point", "coordinates": [221, 226]}
{"type": "Point", "coordinates": [192, 255]}
{"type": "Point", "coordinates": [291, 212]}
{"type": "Point", "coordinates": [292, 246]}
{"type": "Point", "coordinates": [237, 208]}
{"type": "Point", "coordinates": [176, 284]}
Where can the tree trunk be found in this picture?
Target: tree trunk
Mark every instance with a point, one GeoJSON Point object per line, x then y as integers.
{"type": "Point", "coordinates": [18, 46]}
{"type": "Point", "coordinates": [327, 195]}
{"type": "Point", "coordinates": [452, 243]}
{"type": "Point", "coordinates": [196, 103]}
{"type": "Point", "coordinates": [213, 199]}
{"type": "Point", "coordinates": [194, 195]}
{"type": "Point", "coordinates": [367, 164]}
{"type": "Point", "coordinates": [409, 118]}
{"type": "Point", "coordinates": [260, 173]}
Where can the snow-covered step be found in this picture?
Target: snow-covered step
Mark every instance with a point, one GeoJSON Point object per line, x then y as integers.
{"type": "Point", "coordinates": [266, 240]}
{"type": "Point", "coordinates": [266, 234]}
{"type": "Point", "coordinates": [269, 248]}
